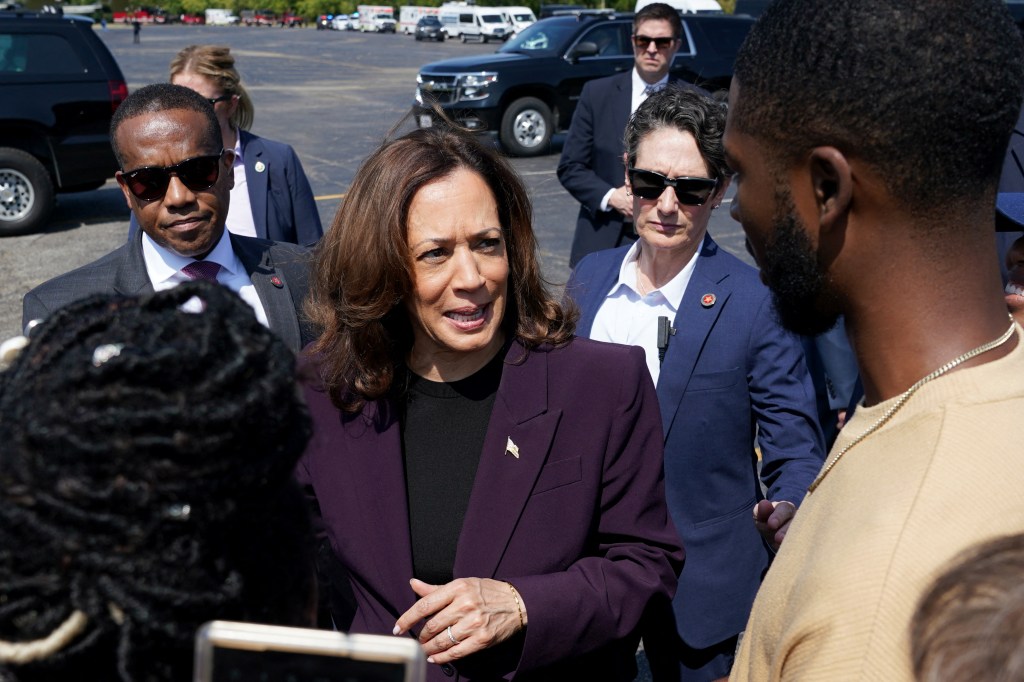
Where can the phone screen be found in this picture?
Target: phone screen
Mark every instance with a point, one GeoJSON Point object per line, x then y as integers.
{"type": "Point", "coordinates": [242, 665]}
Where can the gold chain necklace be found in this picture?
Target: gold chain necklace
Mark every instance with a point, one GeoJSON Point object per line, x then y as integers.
{"type": "Point", "coordinates": [905, 396]}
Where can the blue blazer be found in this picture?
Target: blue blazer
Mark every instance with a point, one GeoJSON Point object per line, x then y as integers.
{"type": "Point", "coordinates": [732, 379]}
{"type": "Point", "coordinates": [577, 521]}
{"type": "Point", "coordinates": [591, 162]}
{"type": "Point", "coordinates": [283, 208]}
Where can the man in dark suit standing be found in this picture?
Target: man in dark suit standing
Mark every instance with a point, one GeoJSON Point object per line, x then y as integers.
{"type": "Point", "coordinates": [591, 165]}
{"type": "Point", "coordinates": [176, 179]}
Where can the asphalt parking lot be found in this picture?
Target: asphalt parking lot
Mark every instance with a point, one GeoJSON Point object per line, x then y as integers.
{"type": "Point", "coordinates": [334, 96]}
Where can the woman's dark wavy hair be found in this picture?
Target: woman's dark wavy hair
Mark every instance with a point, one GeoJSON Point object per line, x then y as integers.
{"type": "Point", "coordinates": [685, 110]}
{"type": "Point", "coordinates": [146, 458]}
{"type": "Point", "coordinates": [362, 269]}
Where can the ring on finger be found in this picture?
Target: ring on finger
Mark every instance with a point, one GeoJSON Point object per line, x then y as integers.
{"type": "Point", "coordinates": [452, 637]}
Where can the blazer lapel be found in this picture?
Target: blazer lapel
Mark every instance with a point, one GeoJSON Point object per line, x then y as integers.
{"type": "Point", "coordinates": [503, 481]}
{"type": "Point", "coordinates": [256, 180]}
{"type": "Point", "coordinates": [378, 475]}
{"type": "Point", "coordinates": [271, 287]}
{"type": "Point", "coordinates": [132, 277]}
{"type": "Point", "coordinates": [694, 322]}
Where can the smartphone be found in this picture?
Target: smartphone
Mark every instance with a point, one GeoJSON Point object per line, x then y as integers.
{"type": "Point", "coordinates": [247, 652]}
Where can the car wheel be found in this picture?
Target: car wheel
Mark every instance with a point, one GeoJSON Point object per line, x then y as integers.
{"type": "Point", "coordinates": [526, 127]}
{"type": "Point", "coordinates": [485, 39]}
{"type": "Point", "coordinates": [462, 37]}
{"type": "Point", "coordinates": [26, 193]}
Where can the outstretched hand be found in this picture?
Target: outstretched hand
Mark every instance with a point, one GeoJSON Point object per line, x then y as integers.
{"type": "Point", "coordinates": [772, 520]}
{"type": "Point", "coordinates": [480, 612]}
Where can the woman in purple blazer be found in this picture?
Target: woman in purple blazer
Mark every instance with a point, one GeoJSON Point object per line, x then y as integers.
{"type": "Point", "coordinates": [485, 482]}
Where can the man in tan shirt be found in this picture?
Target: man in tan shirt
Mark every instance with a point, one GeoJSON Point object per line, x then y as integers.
{"type": "Point", "coordinates": [867, 137]}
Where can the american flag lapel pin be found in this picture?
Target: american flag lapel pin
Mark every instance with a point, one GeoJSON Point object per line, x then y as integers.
{"type": "Point", "coordinates": [511, 448]}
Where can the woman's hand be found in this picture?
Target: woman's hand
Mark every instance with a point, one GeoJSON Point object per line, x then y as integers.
{"type": "Point", "coordinates": [463, 616]}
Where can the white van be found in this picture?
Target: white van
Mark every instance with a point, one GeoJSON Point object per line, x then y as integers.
{"type": "Point", "coordinates": [378, 18]}
{"type": "Point", "coordinates": [408, 15]}
{"type": "Point", "coordinates": [467, 21]}
{"type": "Point", "coordinates": [686, 6]}
{"type": "Point", "coordinates": [518, 17]}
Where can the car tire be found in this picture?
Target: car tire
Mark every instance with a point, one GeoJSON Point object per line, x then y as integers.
{"type": "Point", "coordinates": [26, 193]}
{"type": "Point", "coordinates": [526, 127]}
{"type": "Point", "coordinates": [485, 39]}
{"type": "Point", "coordinates": [462, 37]}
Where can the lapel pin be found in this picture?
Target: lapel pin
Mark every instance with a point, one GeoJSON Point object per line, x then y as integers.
{"type": "Point", "coordinates": [708, 300]}
{"type": "Point", "coordinates": [512, 449]}
{"type": "Point", "coordinates": [260, 166]}
{"type": "Point", "coordinates": [276, 281]}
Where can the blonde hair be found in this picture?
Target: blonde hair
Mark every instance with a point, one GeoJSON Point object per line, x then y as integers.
{"type": "Point", "coordinates": [216, 63]}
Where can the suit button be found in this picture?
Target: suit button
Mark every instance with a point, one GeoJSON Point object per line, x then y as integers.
{"type": "Point", "coordinates": [447, 669]}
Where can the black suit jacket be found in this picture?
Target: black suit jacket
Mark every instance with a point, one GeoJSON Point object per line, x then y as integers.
{"type": "Point", "coordinates": [280, 273]}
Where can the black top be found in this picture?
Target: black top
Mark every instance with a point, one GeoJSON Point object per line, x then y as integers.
{"type": "Point", "coordinates": [443, 434]}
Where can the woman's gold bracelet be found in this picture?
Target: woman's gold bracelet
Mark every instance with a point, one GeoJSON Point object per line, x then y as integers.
{"type": "Point", "coordinates": [519, 604]}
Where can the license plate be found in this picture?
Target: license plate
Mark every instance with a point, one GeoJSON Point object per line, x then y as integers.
{"type": "Point", "coordinates": [425, 121]}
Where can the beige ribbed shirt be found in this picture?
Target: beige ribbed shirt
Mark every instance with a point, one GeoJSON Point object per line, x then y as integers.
{"type": "Point", "coordinates": [946, 473]}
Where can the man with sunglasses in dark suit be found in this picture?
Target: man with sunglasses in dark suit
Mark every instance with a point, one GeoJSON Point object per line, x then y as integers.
{"type": "Point", "coordinates": [591, 165]}
{"type": "Point", "coordinates": [176, 179]}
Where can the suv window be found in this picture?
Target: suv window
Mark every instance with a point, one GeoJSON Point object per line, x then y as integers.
{"type": "Point", "coordinates": [612, 40]}
{"type": "Point", "coordinates": [540, 37]}
{"type": "Point", "coordinates": [38, 54]}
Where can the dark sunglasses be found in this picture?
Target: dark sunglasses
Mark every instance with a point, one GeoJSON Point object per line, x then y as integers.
{"type": "Point", "coordinates": [198, 173]}
{"type": "Point", "coordinates": [644, 41]}
{"type": "Point", "coordinates": [223, 98]}
{"type": "Point", "coordinates": [689, 191]}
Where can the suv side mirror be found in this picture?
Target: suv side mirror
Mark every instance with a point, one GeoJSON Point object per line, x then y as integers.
{"type": "Point", "coordinates": [583, 49]}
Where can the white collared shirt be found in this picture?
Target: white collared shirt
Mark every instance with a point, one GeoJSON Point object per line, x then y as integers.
{"type": "Point", "coordinates": [629, 318]}
{"type": "Point", "coordinates": [164, 270]}
{"type": "Point", "coordinates": [637, 97]}
{"type": "Point", "coordinates": [240, 220]}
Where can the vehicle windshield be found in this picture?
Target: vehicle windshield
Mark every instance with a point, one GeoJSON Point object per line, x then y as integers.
{"type": "Point", "coordinates": [522, 17]}
{"type": "Point", "coordinates": [544, 37]}
{"type": "Point", "coordinates": [491, 18]}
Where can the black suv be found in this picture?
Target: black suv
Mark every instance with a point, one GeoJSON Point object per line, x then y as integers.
{"type": "Point", "coordinates": [59, 87]}
{"type": "Point", "coordinates": [429, 28]}
{"type": "Point", "coordinates": [528, 89]}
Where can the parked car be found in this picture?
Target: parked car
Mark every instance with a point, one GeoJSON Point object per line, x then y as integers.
{"type": "Point", "coordinates": [258, 17]}
{"type": "Point", "coordinates": [193, 19]}
{"type": "Point", "coordinates": [528, 89]}
{"type": "Point", "coordinates": [291, 20]}
{"type": "Point", "coordinates": [429, 28]}
{"type": "Point", "coordinates": [344, 22]}
{"type": "Point", "coordinates": [59, 87]}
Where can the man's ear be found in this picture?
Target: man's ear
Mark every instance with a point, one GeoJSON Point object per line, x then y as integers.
{"type": "Point", "coordinates": [229, 160]}
{"type": "Point", "coordinates": [833, 185]}
{"type": "Point", "coordinates": [124, 190]}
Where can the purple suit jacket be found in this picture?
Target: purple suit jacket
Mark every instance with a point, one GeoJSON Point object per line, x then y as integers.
{"type": "Point", "coordinates": [577, 522]}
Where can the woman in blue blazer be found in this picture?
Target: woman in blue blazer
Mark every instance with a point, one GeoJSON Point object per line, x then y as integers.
{"type": "Point", "coordinates": [271, 198]}
{"type": "Point", "coordinates": [729, 380]}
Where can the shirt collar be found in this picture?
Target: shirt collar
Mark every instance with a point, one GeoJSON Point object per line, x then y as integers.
{"type": "Point", "coordinates": [163, 264]}
{"type": "Point", "coordinates": [673, 290]}
{"type": "Point", "coordinates": [238, 149]}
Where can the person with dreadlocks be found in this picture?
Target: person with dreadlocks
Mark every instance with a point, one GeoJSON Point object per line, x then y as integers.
{"type": "Point", "coordinates": [146, 453]}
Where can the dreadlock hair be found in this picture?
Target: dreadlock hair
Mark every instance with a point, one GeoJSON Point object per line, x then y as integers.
{"type": "Point", "coordinates": [146, 457]}
{"type": "Point", "coordinates": [925, 91]}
